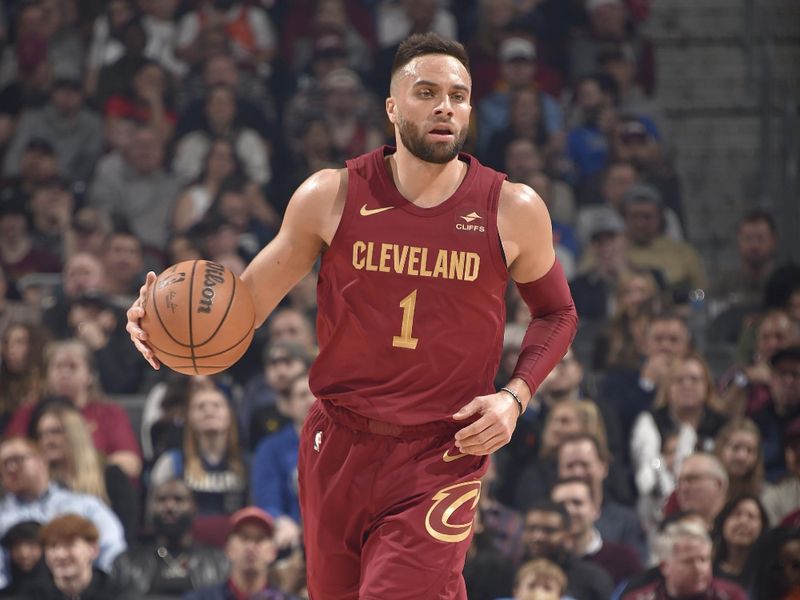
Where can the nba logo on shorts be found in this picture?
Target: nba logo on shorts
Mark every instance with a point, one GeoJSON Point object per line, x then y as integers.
{"type": "Point", "coordinates": [317, 441]}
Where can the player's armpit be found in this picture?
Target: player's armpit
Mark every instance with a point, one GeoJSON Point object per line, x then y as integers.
{"type": "Point", "coordinates": [311, 219]}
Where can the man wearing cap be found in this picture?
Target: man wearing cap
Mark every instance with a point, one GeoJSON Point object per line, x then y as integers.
{"type": "Point", "coordinates": [75, 132]}
{"type": "Point", "coordinates": [251, 551]}
{"type": "Point", "coordinates": [650, 248]}
{"type": "Point", "coordinates": [517, 57]}
{"type": "Point", "coordinates": [784, 386]}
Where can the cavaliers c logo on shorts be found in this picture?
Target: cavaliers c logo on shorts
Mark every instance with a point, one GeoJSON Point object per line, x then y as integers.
{"type": "Point", "coordinates": [446, 503]}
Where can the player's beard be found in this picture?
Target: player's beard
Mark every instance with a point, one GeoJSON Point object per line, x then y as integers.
{"type": "Point", "coordinates": [436, 152]}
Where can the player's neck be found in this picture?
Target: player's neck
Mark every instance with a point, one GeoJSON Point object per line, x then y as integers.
{"type": "Point", "coordinates": [423, 183]}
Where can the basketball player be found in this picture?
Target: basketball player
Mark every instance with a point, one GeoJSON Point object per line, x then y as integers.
{"type": "Point", "coordinates": [417, 244]}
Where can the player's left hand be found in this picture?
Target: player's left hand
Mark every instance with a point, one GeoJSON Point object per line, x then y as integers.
{"type": "Point", "coordinates": [493, 429]}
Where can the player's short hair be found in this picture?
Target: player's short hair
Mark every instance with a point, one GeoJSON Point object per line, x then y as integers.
{"type": "Point", "coordinates": [422, 44]}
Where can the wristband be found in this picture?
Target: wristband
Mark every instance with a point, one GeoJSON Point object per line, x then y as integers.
{"type": "Point", "coordinates": [516, 399]}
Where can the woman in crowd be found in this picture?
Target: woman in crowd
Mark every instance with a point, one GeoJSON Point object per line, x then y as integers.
{"type": "Point", "coordinates": [210, 459]}
{"type": "Point", "coordinates": [636, 299]}
{"type": "Point", "coordinates": [71, 373]}
{"type": "Point", "coordinates": [220, 165]}
{"type": "Point", "coordinates": [682, 407]}
{"type": "Point", "coordinates": [737, 528]}
{"type": "Point", "coordinates": [21, 368]}
{"type": "Point", "coordinates": [61, 433]}
{"type": "Point", "coordinates": [738, 446]}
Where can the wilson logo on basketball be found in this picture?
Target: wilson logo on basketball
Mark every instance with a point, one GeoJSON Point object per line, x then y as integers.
{"type": "Point", "coordinates": [446, 504]}
{"type": "Point", "coordinates": [215, 274]}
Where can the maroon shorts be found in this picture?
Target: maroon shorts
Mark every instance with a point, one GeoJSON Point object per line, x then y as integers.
{"type": "Point", "coordinates": [387, 511]}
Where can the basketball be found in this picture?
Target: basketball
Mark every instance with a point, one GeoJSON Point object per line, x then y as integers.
{"type": "Point", "coordinates": [199, 317]}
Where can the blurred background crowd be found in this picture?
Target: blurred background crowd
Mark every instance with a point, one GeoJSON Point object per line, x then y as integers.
{"type": "Point", "coordinates": [660, 459]}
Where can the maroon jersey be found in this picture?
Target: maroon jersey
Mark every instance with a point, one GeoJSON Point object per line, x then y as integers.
{"type": "Point", "coordinates": [411, 300]}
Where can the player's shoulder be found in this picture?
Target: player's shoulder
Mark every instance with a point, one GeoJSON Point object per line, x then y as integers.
{"type": "Point", "coordinates": [520, 200]}
{"type": "Point", "coordinates": [321, 189]}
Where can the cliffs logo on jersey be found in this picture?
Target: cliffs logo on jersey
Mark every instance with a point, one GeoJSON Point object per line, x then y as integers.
{"type": "Point", "coordinates": [468, 224]}
{"type": "Point", "coordinates": [451, 502]}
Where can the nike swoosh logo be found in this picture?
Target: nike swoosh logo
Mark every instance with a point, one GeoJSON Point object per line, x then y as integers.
{"type": "Point", "coordinates": [447, 457]}
{"type": "Point", "coordinates": [366, 212]}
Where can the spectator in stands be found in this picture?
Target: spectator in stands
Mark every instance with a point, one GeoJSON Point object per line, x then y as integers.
{"type": "Point", "coordinates": [560, 202]}
{"type": "Point", "coordinates": [124, 259]}
{"type": "Point", "coordinates": [70, 548]}
{"type": "Point", "coordinates": [73, 130]}
{"type": "Point", "coordinates": [783, 498]}
{"type": "Point", "coordinates": [314, 152]}
{"type": "Point", "coordinates": [145, 102]}
{"type": "Point", "coordinates": [251, 550]}
{"type": "Point", "coordinates": [22, 367]}
{"type": "Point", "coordinates": [96, 322]}
{"type": "Point", "coordinates": [776, 573]}
{"type": "Point", "coordinates": [71, 373]}
{"type": "Point", "coordinates": [115, 77]}
{"type": "Point", "coordinates": [684, 407]}
{"type": "Point", "coordinates": [702, 486]}
{"type": "Point", "coordinates": [172, 563]}
{"type": "Point", "coordinates": [30, 495]}
{"type": "Point", "coordinates": [253, 220]}
{"type": "Point", "coordinates": [210, 460]}
{"type": "Point", "coordinates": [222, 120]}
{"type": "Point", "coordinates": [637, 300]}
{"type": "Point", "coordinates": [260, 412]}
{"type": "Point", "coordinates": [158, 20]}
{"type": "Point", "coordinates": [135, 185]}
{"type": "Point", "coordinates": [346, 109]}
{"type": "Point", "coordinates": [637, 140]}
{"type": "Point", "coordinates": [487, 572]}
{"type": "Point", "coordinates": [26, 558]}
{"type": "Point", "coordinates": [588, 141]}
{"type": "Point", "coordinates": [220, 164]}
{"type": "Point", "coordinates": [37, 163]}
{"type": "Point", "coordinates": [14, 311]}
{"type": "Point", "coordinates": [746, 388]}
{"type": "Point", "coordinates": [609, 23]}
{"type": "Point", "coordinates": [90, 227]}
{"type": "Point", "coordinates": [580, 455]}
{"type": "Point", "coordinates": [784, 408]}
{"type": "Point", "coordinates": [273, 473]}
{"type": "Point", "coordinates": [631, 391]}
{"type": "Point", "coordinates": [649, 247]}
{"type": "Point", "coordinates": [518, 66]}
{"type": "Point", "coordinates": [757, 244]}
{"type": "Point", "coordinates": [738, 447]}
{"type": "Point", "coordinates": [64, 441]}
{"type": "Point", "coordinates": [546, 535]}
{"type": "Point", "coordinates": [685, 563]}
{"type": "Point", "coordinates": [83, 272]}
{"type": "Point", "coordinates": [106, 46]}
{"type": "Point", "coordinates": [525, 119]}
{"type": "Point", "coordinates": [246, 29]}
{"type": "Point", "coordinates": [19, 255]}
{"type": "Point", "coordinates": [540, 579]}
{"type": "Point", "coordinates": [619, 560]}
{"type": "Point", "coordinates": [52, 204]}
{"type": "Point", "coordinates": [737, 529]}
{"type": "Point", "coordinates": [619, 61]}
{"type": "Point", "coordinates": [291, 325]}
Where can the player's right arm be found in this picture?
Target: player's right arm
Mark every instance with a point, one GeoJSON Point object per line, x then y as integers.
{"type": "Point", "coordinates": [311, 219]}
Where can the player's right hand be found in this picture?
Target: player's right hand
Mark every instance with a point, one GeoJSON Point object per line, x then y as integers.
{"type": "Point", "coordinates": [134, 328]}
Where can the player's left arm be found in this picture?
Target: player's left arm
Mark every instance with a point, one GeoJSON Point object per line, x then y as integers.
{"type": "Point", "coordinates": [527, 237]}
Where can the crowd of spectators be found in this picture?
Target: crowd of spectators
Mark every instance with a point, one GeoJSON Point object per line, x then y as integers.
{"type": "Point", "coordinates": [661, 457]}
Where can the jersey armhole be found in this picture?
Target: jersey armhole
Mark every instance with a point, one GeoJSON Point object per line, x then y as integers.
{"type": "Point", "coordinates": [495, 241]}
{"type": "Point", "coordinates": [347, 210]}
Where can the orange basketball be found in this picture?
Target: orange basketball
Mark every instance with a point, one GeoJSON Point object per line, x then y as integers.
{"type": "Point", "coordinates": [199, 317]}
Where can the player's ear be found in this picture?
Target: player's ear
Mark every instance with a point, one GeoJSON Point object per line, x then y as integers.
{"type": "Point", "coordinates": [391, 109]}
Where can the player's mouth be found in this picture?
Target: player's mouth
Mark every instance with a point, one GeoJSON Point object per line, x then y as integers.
{"type": "Point", "coordinates": [442, 133]}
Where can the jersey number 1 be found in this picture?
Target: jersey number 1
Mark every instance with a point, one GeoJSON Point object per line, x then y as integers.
{"type": "Point", "coordinates": [404, 340]}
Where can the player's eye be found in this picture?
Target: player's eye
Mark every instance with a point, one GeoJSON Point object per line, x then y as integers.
{"type": "Point", "coordinates": [425, 93]}
{"type": "Point", "coordinates": [459, 97]}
